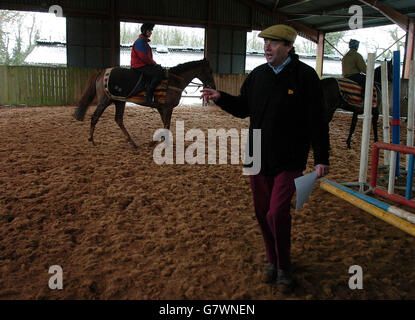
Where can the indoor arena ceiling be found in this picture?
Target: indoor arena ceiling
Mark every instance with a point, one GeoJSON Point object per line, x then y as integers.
{"type": "Point", "coordinates": [313, 15]}
{"type": "Point", "coordinates": [333, 15]}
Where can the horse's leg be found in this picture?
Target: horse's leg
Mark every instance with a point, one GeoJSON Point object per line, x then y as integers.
{"type": "Point", "coordinates": [352, 128]}
{"type": "Point", "coordinates": [375, 117]}
{"type": "Point", "coordinates": [165, 115]}
{"type": "Point", "coordinates": [105, 102]}
{"type": "Point", "coordinates": [119, 119]}
{"type": "Point", "coordinates": [167, 118]}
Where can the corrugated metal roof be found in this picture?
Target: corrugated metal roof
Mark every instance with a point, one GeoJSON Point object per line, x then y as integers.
{"type": "Point", "coordinates": [322, 15]}
{"type": "Point", "coordinates": [333, 15]}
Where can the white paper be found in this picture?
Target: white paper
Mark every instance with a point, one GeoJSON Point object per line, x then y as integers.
{"type": "Point", "coordinates": [304, 186]}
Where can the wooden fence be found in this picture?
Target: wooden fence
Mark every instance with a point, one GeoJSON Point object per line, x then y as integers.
{"type": "Point", "coordinates": [46, 86]}
{"type": "Point", "coordinates": [230, 83]}
{"type": "Point", "coordinates": [51, 86]}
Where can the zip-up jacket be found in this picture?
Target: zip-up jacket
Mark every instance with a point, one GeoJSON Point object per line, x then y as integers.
{"type": "Point", "coordinates": [141, 54]}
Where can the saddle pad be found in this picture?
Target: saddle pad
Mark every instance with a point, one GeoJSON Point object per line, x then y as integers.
{"type": "Point", "coordinates": [352, 93]}
{"type": "Point", "coordinates": [111, 82]}
{"type": "Point", "coordinates": [121, 81]}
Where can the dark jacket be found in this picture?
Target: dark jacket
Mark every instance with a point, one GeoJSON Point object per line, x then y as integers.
{"type": "Point", "coordinates": [288, 108]}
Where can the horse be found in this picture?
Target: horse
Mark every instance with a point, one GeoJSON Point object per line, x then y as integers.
{"type": "Point", "coordinates": [333, 100]}
{"type": "Point", "coordinates": [178, 79]}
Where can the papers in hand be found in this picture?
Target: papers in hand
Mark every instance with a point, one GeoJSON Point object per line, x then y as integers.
{"type": "Point", "coordinates": [304, 185]}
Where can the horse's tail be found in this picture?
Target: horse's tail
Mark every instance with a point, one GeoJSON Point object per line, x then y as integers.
{"type": "Point", "coordinates": [87, 97]}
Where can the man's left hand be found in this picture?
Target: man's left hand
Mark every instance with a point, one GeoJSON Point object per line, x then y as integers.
{"type": "Point", "coordinates": [322, 170]}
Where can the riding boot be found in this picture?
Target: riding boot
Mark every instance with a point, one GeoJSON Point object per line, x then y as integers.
{"type": "Point", "coordinates": [150, 91]}
{"type": "Point", "coordinates": [149, 97]}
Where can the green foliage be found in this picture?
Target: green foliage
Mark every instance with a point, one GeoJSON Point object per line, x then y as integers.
{"type": "Point", "coordinates": [12, 30]}
{"type": "Point", "coordinates": [334, 38]}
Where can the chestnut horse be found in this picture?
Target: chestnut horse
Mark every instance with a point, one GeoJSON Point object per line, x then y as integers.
{"type": "Point", "coordinates": [179, 77]}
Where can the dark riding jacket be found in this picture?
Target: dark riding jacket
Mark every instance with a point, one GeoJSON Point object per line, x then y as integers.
{"type": "Point", "coordinates": [288, 108]}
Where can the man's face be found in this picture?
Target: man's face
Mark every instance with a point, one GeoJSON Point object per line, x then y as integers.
{"type": "Point", "coordinates": [276, 52]}
{"type": "Point", "coordinates": [149, 33]}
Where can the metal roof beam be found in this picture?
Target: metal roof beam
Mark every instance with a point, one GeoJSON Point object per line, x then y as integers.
{"type": "Point", "coordinates": [305, 30]}
{"type": "Point", "coordinates": [327, 8]}
{"type": "Point", "coordinates": [323, 14]}
{"type": "Point", "coordinates": [393, 15]}
{"type": "Point", "coordinates": [275, 5]}
{"type": "Point", "coordinates": [297, 3]}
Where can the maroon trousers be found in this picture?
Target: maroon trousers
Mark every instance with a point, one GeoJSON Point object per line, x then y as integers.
{"type": "Point", "coordinates": [272, 199]}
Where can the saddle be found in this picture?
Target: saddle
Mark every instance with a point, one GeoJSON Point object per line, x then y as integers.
{"type": "Point", "coordinates": [351, 92]}
{"type": "Point", "coordinates": [129, 85]}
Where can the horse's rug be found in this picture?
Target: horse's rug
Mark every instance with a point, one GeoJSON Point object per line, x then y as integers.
{"type": "Point", "coordinates": [129, 85]}
{"type": "Point", "coordinates": [352, 93]}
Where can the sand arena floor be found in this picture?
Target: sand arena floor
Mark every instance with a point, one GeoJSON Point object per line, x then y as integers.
{"type": "Point", "coordinates": [123, 227]}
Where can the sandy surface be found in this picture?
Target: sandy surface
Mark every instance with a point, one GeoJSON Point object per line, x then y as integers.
{"type": "Point", "coordinates": [123, 227]}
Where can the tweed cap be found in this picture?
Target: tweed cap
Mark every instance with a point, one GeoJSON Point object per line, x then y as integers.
{"type": "Point", "coordinates": [279, 32]}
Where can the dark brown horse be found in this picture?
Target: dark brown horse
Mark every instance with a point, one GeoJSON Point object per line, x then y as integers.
{"type": "Point", "coordinates": [179, 77]}
{"type": "Point", "coordinates": [333, 100]}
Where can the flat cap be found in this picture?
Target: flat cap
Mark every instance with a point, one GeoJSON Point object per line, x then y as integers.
{"type": "Point", "coordinates": [279, 32]}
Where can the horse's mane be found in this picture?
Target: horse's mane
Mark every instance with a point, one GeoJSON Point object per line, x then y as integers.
{"type": "Point", "coordinates": [183, 67]}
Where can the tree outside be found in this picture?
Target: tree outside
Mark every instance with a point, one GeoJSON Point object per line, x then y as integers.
{"type": "Point", "coordinates": [253, 42]}
{"type": "Point", "coordinates": [382, 51]}
{"type": "Point", "coordinates": [19, 32]}
{"type": "Point", "coordinates": [18, 36]}
{"type": "Point", "coordinates": [162, 35]}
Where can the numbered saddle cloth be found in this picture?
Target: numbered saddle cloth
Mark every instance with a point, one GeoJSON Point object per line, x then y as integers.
{"type": "Point", "coordinates": [129, 85]}
{"type": "Point", "coordinates": [352, 93]}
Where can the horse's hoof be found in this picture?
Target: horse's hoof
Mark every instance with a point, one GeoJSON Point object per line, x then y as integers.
{"type": "Point", "coordinates": [92, 141]}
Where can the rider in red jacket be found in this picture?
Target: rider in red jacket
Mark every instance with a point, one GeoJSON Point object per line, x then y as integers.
{"type": "Point", "coordinates": [142, 60]}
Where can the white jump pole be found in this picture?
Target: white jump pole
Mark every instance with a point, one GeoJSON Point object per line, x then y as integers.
{"type": "Point", "coordinates": [385, 110]}
{"type": "Point", "coordinates": [364, 151]}
{"type": "Point", "coordinates": [411, 108]}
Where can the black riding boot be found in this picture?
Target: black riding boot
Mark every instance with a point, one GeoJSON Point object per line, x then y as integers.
{"type": "Point", "coordinates": [150, 91]}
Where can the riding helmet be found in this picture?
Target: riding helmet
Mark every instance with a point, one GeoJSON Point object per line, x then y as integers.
{"type": "Point", "coordinates": [146, 26]}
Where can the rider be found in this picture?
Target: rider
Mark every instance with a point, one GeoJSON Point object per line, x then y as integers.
{"type": "Point", "coordinates": [353, 65]}
{"type": "Point", "coordinates": [142, 60]}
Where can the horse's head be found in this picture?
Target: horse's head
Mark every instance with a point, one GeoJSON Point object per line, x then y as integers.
{"type": "Point", "coordinates": [205, 75]}
{"type": "Point", "coordinates": [390, 70]}
{"type": "Point", "coordinates": [378, 74]}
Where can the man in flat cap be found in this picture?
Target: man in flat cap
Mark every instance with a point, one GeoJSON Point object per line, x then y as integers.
{"type": "Point", "coordinates": [284, 99]}
{"type": "Point", "coordinates": [353, 65]}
